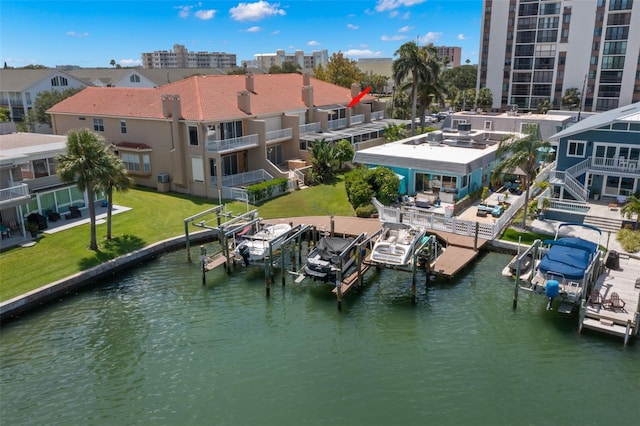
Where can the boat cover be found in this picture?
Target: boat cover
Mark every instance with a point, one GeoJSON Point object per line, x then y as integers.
{"type": "Point", "coordinates": [331, 246]}
{"type": "Point", "coordinates": [568, 256]}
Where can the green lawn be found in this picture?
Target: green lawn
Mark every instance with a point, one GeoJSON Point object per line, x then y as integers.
{"type": "Point", "coordinates": [154, 217]}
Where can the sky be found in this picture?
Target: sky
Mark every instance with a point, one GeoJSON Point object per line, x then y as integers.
{"type": "Point", "coordinates": [90, 33]}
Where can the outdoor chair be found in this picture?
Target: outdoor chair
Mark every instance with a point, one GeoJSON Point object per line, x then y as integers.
{"type": "Point", "coordinates": [595, 299]}
{"type": "Point", "coordinates": [6, 233]}
{"type": "Point", "coordinates": [614, 302]}
{"type": "Point", "coordinates": [74, 212]}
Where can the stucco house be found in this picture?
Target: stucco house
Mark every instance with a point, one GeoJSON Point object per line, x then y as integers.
{"type": "Point", "coordinates": [209, 135]}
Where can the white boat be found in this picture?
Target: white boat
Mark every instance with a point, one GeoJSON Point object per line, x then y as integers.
{"type": "Point", "coordinates": [396, 244]}
{"type": "Point", "coordinates": [330, 255]}
{"type": "Point", "coordinates": [526, 264]}
{"type": "Point", "coordinates": [254, 247]}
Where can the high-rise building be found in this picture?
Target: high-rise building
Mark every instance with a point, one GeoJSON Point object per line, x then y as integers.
{"type": "Point", "coordinates": [305, 61]}
{"type": "Point", "coordinates": [535, 50]}
{"type": "Point", "coordinates": [180, 57]}
{"type": "Point", "coordinates": [452, 55]}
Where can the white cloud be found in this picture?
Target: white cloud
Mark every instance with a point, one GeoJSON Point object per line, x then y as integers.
{"type": "Point", "coordinates": [361, 52]}
{"type": "Point", "coordinates": [275, 32]}
{"type": "Point", "coordinates": [255, 11]}
{"type": "Point", "coordinates": [253, 29]}
{"type": "Point", "coordinates": [352, 27]}
{"type": "Point", "coordinates": [462, 37]}
{"type": "Point", "coordinates": [393, 14]}
{"type": "Point", "coordinates": [430, 37]}
{"type": "Point", "coordinates": [75, 34]}
{"type": "Point", "coordinates": [184, 11]}
{"type": "Point", "coordinates": [313, 43]}
{"type": "Point", "coordinates": [406, 29]}
{"type": "Point", "coordinates": [130, 62]}
{"type": "Point", "coordinates": [206, 14]}
{"type": "Point", "coordinates": [406, 15]}
{"type": "Point", "coordinates": [396, 37]}
{"type": "Point", "coordinates": [384, 5]}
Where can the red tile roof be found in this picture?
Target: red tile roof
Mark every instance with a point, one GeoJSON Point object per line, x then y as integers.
{"type": "Point", "coordinates": [205, 98]}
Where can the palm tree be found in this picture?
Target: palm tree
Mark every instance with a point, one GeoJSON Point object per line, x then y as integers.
{"type": "Point", "coordinates": [411, 62]}
{"type": "Point", "coordinates": [85, 162]}
{"type": "Point", "coordinates": [521, 153]}
{"type": "Point", "coordinates": [117, 179]}
{"type": "Point", "coordinates": [631, 207]}
{"type": "Point", "coordinates": [430, 86]}
{"type": "Point", "coordinates": [323, 160]}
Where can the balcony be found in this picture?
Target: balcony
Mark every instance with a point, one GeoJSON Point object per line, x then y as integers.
{"type": "Point", "coordinates": [310, 128]}
{"type": "Point", "coordinates": [620, 165]}
{"type": "Point", "coordinates": [337, 124]}
{"type": "Point", "coordinates": [279, 135]}
{"type": "Point", "coordinates": [14, 196]}
{"type": "Point", "coordinates": [232, 144]}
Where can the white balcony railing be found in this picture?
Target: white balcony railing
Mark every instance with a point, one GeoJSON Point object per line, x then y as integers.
{"type": "Point", "coordinates": [615, 165]}
{"type": "Point", "coordinates": [240, 179]}
{"type": "Point", "coordinates": [310, 128]}
{"type": "Point", "coordinates": [232, 143]}
{"type": "Point", "coordinates": [357, 119]}
{"type": "Point", "coordinates": [8, 194]}
{"type": "Point", "coordinates": [278, 135]}
{"type": "Point", "coordinates": [377, 115]}
{"type": "Point", "coordinates": [337, 124]}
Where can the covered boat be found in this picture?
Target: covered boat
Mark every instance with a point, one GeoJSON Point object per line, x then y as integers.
{"type": "Point", "coordinates": [330, 255]}
{"type": "Point", "coordinates": [254, 247]}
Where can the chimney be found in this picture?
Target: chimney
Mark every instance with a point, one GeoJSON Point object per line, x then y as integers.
{"type": "Point", "coordinates": [355, 89]}
{"type": "Point", "coordinates": [171, 107]}
{"type": "Point", "coordinates": [244, 101]}
{"type": "Point", "coordinates": [307, 96]}
{"type": "Point", "coordinates": [249, 82]}
{"type": "Point", "coordinates": [306, 80]}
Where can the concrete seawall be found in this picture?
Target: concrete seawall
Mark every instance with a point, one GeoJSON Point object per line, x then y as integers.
{"type": "Point", "coordinates": [12, 308]}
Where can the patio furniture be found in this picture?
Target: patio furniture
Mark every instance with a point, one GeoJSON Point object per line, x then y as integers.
{"type": "Point", "coordinates": [497, 211]}
{"type": "Point", "coordinates": [614, 302]}
{"type": "Point", "coordinates": [6, 233]}
{"type": "Point", "coordinates": [595, 299]}
{"type": "Point", "coordinates": [613, 206]}
{"type": "Point", "coordinates": [74, 212]}
{"type": "Point", "coordinates": [52, 216]}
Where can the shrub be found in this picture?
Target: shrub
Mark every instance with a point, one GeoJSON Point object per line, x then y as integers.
{"type": "Point", "coordinates": [366, 210]}
{"type": "Point", "coordinates": [264, 190]}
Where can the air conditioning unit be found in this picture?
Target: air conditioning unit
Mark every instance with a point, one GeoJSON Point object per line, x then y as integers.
{"type": "Point", "coordinates": [163, 178]}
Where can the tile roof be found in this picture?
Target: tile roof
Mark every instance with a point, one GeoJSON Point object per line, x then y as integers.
{"type": "Point", "coordinates": [205, 98]}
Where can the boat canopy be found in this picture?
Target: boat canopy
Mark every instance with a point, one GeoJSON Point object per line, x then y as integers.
{"type": "Point", "coordinates": [568, 256]}
{"type": "Point", "coordinates": [332, 246]}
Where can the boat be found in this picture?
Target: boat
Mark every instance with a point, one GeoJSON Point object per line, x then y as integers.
{"type": "Point", "coordinates": [568, 267]}
{"type": "Point", "coordinates": [330, 255]}
{"type": "Point", "coordinates": [255, 247]}
{"type": "Point", "coordinates": [526, 264]}
{"type": "Point", "coordinates": [396, 244]}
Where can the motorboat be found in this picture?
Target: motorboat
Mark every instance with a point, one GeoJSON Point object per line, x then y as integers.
{"type": "Point", "coordinates": [330, 255]}
{"type": "Point", "coordinates": [396, 244]}
{"type": "Point", "coordinates": [256, 246]}
{"type": "Point", "coordinates": [526, 264]}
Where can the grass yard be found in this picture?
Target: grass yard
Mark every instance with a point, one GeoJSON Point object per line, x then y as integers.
{"type": "Point", "coordinates": [154, 217]}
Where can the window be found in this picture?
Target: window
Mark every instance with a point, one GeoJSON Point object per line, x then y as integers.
{"type": "Point", "coordinates": [59, 81]}
{"type": "Point", "coordinates": [230, 130]}
{"type": "Point", "coordinates": [193, 135]}
{"type": "Point", "coordinates": [617, 33]}
{"type": "Point", "coordinates": [98, 125]}
{"type": "Point", "coordinates": [576, 148]}
{"type": "Point", "coordinates": [547, 36]}
{"type": "Point", "coordinates": [134, 161]}
{"type": "Point", "coordinates": [487, 125]}
{"type": "Point", "coordinates": [615, 48]}
{"type": "Point", "coordinates": [230, 165]}
{"type": "Point", "coordinates": [550, 9]}
{"type": "Point", "coordinates": [612, 62]}
{"type": "Point", "coordinates": [123, 127]}
{"type": "Point", "coordinates": [146, 163]}
{"type": "Point", "coordinates": [135, 78]}
{"type": "Point", "coordinates": [197, 169]}
{"type": "Point", "coordinates": [610, 76]}
{"type": "Point", "coordinates": [544, 63]}
{"type": "Point", "coordinates": [619, 19]}
{"type": "Point", "coordinates": [548, 23]}
{"type": "Point", "coordinates": [620, 4]}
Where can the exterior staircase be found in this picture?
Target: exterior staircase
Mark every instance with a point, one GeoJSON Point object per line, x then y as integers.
{"type": "Point", "coordinates": [604, 223]}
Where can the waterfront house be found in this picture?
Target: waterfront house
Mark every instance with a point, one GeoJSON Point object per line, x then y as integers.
{"type": "Point", "coordinates": [211, 135]}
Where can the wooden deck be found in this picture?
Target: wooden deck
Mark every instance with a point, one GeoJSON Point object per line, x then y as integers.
{"type": "Point", "coordinates": [351, 281]}
{"type": "Point", "coordinates": [343, 225]}
{"type": "Point", "coordinates": [458, 253]}
{"type": "Point", "coordinates": [622, 281]}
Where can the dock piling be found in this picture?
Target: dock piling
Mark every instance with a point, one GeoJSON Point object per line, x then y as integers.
{"type": "Point", "coordinates": [203, 263]}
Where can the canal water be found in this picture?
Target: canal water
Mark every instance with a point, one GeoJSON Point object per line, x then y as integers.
{"type": "Point", "coordinates": [154, 346]}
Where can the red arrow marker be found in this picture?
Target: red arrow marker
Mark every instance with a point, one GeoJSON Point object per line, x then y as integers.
{"type": "Point", "coordinates": [357, 98]}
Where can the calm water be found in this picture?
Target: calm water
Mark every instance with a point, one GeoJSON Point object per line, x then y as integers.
{"type": "Point", "coordinates": [153, 346]}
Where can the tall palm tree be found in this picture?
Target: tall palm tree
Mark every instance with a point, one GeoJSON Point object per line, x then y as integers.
{"type": "Point", "coordinates": [118, 179]}
{"type": "Point", "coordinates": [430, 86]}
{"type": "Point", "coordinates": [521, 153]}
{"type": "Point", "coordinates": [410, 63]}
{"type": "Point", "coordinates": [631, 207]}
{"type": "Point", "coordinates": [85, 162]}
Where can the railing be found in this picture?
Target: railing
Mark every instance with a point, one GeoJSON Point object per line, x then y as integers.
{"type": "Point", "coordinates": [21, 190]}
{"type": "Point", "coordinates": [357, 119]}
{"type": "Point", "coordinates": [232, 143]}
{"type": "Point", "coordinates": [615, 164]}
{"type": "Point", "coordinates": [310, 128]}
{"type": "Point", "coordinates": [279, 134]}
{"type": "Point", "coordinates": [299, 174]}
{"type": "Point", "coordinates": [567, 205]}
{"type": "Point", "coordinates": [244, 178]}
{"type": "Point", "coordinates": [230, 193]}
{"type": "Point", "coordinates": [377, 115]}
{"type": "Point", "coordinates": [580, 168]}
{"type": "Point", "coordinates": [572, 185]}
{"type": "Point", "coordinates": [337, 124]}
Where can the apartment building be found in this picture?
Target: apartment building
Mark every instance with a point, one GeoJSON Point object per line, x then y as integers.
{"type": "Point", "coordinates": [181, 57]}
{"type": "Point", "coordinates": [534, 50]}
{"type": "Point", "coordinates": [452, 55]}
{"type": "Point", "coordinates": [211, 135]}
{"type": "Point", "coordinates": [306, 61]}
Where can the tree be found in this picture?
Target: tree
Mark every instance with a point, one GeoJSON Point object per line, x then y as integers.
{"type": "Point", "coordinates": [462, 77]}
{"type": "Point", "coordinates": [113, 63]}
{"type": "Point", "coordinates": [291, 67]}
{"type": "Point", "coordinates": [631, 207]}
{"type": "Point", "coordinates": [410, 63]}
{"type": "Point", "coordinates": [430, 86]}
{"type": "Point", "coordinates": [45, 100]}
{"type": "Point", "coordinates": [485, 98]}
{"type": "Point", "coordinates": [377, 82]}
{"type": "Point", "coordinates": [323, 161]}
{"type": "Point", "coordinates": [275, 69]}
{"type": "Point", "coordinates": [521, 153]}
{"type": "Point", "coordinates": [363, 184]}
{"type": "Point", "coordinates": [340, 70]}
{"type": "Point", "coordinates": [5, 115]}
{"type": "Point", "coordinates": [543, 106]}
{"type": "Point", "coordinates": [571, 98]}
{"type": "Point", "coordinates": [344, 152]}
{"type": "Point", "coordinates": [87, 163]}
{"type": "Point", "coordinates": [394, 132]}
{"type": "Point", "coordinates": [117, 178]}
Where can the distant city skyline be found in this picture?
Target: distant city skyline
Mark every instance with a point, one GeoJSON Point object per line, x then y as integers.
{"type": "Point", "coordinates": [92, 33]}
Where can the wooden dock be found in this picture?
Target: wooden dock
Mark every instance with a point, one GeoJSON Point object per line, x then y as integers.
{"type": "Point", "coordinates": [459, 252]}
{"type": "Point", "coordinates": [351, 281]}
{"type": "Point", "coordinates": [617, 322]}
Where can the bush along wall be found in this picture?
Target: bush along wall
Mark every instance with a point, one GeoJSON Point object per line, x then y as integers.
{"type": "Point", "coordinates": [263, 191]}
